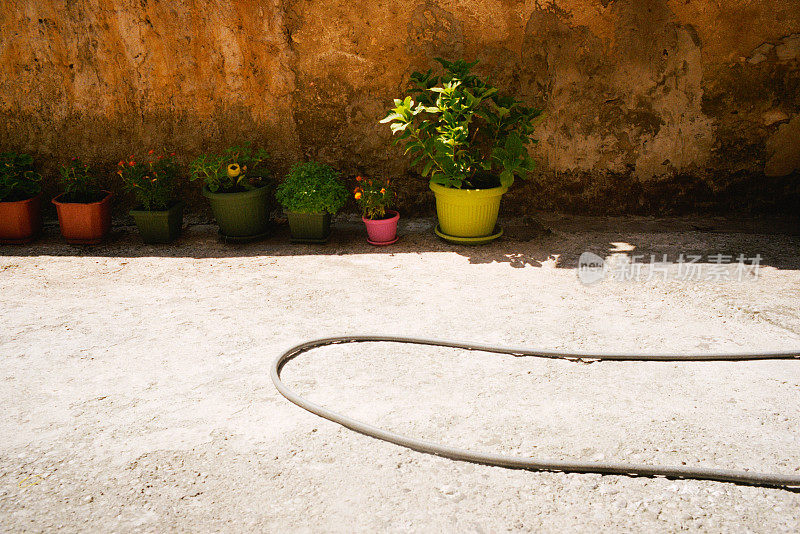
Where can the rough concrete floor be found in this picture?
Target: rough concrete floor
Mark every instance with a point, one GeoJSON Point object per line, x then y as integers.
{"type": "Point", "coordinates": [136, 397]}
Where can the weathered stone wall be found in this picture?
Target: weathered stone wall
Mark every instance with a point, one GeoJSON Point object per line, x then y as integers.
{"type": "Point", "coordinates": [652, 106]}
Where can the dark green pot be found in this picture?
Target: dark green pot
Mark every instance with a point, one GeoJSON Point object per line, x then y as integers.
{"type": "Point", "coordinates": [309, 227]}
{"type": "Point", "coordinates": [159, 226]}
{"type": "Point", "coordinates": [241, 215]}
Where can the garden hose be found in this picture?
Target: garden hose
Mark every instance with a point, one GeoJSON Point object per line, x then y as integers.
{"type": "Point", "coordinates": [783, 481]}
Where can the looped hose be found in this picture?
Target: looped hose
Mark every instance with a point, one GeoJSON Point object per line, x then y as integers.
{"type": "Point", "coordinates": [783, 481]}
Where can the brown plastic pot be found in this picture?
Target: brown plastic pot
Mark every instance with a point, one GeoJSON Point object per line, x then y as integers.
{"type": "Point", "coordinates": [21, 221]}
{"type": "Point", "coordinates": [84, 224]}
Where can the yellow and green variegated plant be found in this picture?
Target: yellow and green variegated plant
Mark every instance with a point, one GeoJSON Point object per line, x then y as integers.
{"type": "Point", "coordinates": [462, 131]}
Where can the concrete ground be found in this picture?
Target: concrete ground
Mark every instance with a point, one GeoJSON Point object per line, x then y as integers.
{"type": "Point", "coordinates": [136, 397]}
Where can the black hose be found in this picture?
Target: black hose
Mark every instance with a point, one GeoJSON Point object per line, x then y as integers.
{"type": "Point", "coordinates": [789, 482]}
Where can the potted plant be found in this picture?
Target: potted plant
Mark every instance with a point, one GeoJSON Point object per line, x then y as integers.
{"type": "Point", "coordinates": [471, 143]}
{"type": "Point", "coordinates": [20, 199]}
{"type": "Point", "coordinates": [84, 209]}
{"type": "Point", "coordinates": [158, 216]}
{"type": "Point", "coordinates": [373, 197]}
{"type": "Point", "coordinates": [236, 185]}
{"type": "Point", "coordinates": [311, 193]}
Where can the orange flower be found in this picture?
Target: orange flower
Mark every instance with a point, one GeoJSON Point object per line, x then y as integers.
{"type": "Point", "coordinates": [131, 163]}
{"type": "Point", "coordinates": [150, 152]}
{"type": "Point", "coordinates": [358, 195]}
{"type": "Point", "coordinates": [383, 191]}
{"type": "Point", "coordinates": [121, 163]}
{"type": "Point", "coordinates": [359, 178]}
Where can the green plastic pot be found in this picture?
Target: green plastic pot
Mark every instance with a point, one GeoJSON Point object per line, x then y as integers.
{"type": "Point", "coordinates": [241, 215]}
{"type": "Point", "coordinates": [309, 227]}
{"type": "Point", "coordinates": [161, 226]}
{"type": "Point", "coordinates": [467, 212]}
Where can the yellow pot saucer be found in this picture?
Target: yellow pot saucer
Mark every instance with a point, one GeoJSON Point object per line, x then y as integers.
{"type": "Point", "coordinates": [482, 240]}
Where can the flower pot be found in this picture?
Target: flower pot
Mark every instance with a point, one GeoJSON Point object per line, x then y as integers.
{"type": "Point", "coordinates": [161, 226]}
{"type": "Point", "coordinates": [21, 221]}
{"type": "Point", "coordinates": [84, 223]}
{"type": "Point", "coordinates": [241, 216]}
{"type": "Point", "coordinates": [467, 213]}
{"type": "Point", "coordinates": [382, 231]}
{"type": "Point", "coordinates": [309, 227]}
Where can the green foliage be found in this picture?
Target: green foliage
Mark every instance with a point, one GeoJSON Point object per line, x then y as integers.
{"type": "Point", "coordinates": [152, 180]}
{"type": "Point", "coordinates": [462, 131]}
{"type": "Point", "coordinates": [373, 196]}
{"type": "Point", "coordinates": [312, 188]}
{"type": "Point", "coordinates": [18, 180]}
{"type": "Point", "coordinates": [78, 183]}
{"type": "Point", "coordinates": [239, 168]}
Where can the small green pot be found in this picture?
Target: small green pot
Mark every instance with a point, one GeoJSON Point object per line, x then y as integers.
{"type": "Point", "coordinates": [159, 226]}
{"type": "Point", "coordinates": [309, 227]}
{"type": "Point", "coordinates": [241, 215]}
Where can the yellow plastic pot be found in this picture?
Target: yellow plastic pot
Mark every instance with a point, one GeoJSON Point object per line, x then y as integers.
{"type": "Point", "coordinates": [467, 212]}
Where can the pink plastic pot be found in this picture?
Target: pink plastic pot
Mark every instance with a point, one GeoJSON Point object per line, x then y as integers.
{"type": "Point", "coordinates": [382, 231]}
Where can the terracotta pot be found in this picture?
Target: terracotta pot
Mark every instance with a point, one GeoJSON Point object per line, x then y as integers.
{"type": "Point", "coordinates": [382, 231]}
{"type": "Point", "coordinates": [21, 221]}
{"type": "Point", "coordinates": [84, 224]}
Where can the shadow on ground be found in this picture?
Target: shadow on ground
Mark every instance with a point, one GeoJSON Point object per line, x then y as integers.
{"type": "Point", "coordinates": [549, 240]}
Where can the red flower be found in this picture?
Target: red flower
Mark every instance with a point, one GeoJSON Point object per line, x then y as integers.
{"type": "Point", "coordinates": [150, 152]}
{"type": "Point", "coordinates": [359, 178]}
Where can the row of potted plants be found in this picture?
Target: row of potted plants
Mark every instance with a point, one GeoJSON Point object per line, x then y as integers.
{"type": "Point", "coordinates": [467, 139]}
{"type": "Point", "coordinates": [235, 183]}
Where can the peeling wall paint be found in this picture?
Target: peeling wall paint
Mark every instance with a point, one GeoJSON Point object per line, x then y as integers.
{"type": "Point", "coordinates": [651, 106]}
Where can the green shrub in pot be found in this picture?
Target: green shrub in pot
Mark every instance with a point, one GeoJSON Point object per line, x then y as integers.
{"type": "Point", "coordinates": [311, 193]}
{"type": "Point", "coordinates": [236, 183]}
{"type": "Point", "coordinates": [470, 142]}
{"type": "Point", "coordinates": [158, 215]}
{"type": "Point", "coordinates": [20, 199]}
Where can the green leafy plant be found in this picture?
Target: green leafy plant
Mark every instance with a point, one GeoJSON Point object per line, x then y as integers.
{"type": "Point", "coordinates": [373, 196]}
{"type": "Point", "coordinates": [152, 180]}
{"type": "Point", "coordinates": [18, 180]}
{"type": "Point", "coordinates": [312, 188]}
{"type": "Point", "coordinates": [79, 185]}
{"type": "Point", "coordinates": [461, 130]}
{"type": "Point", "coordinates": [239, 168]}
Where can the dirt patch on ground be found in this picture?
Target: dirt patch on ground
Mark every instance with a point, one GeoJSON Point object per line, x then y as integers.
{"type": "Point", "coordinates": [136, 392]}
